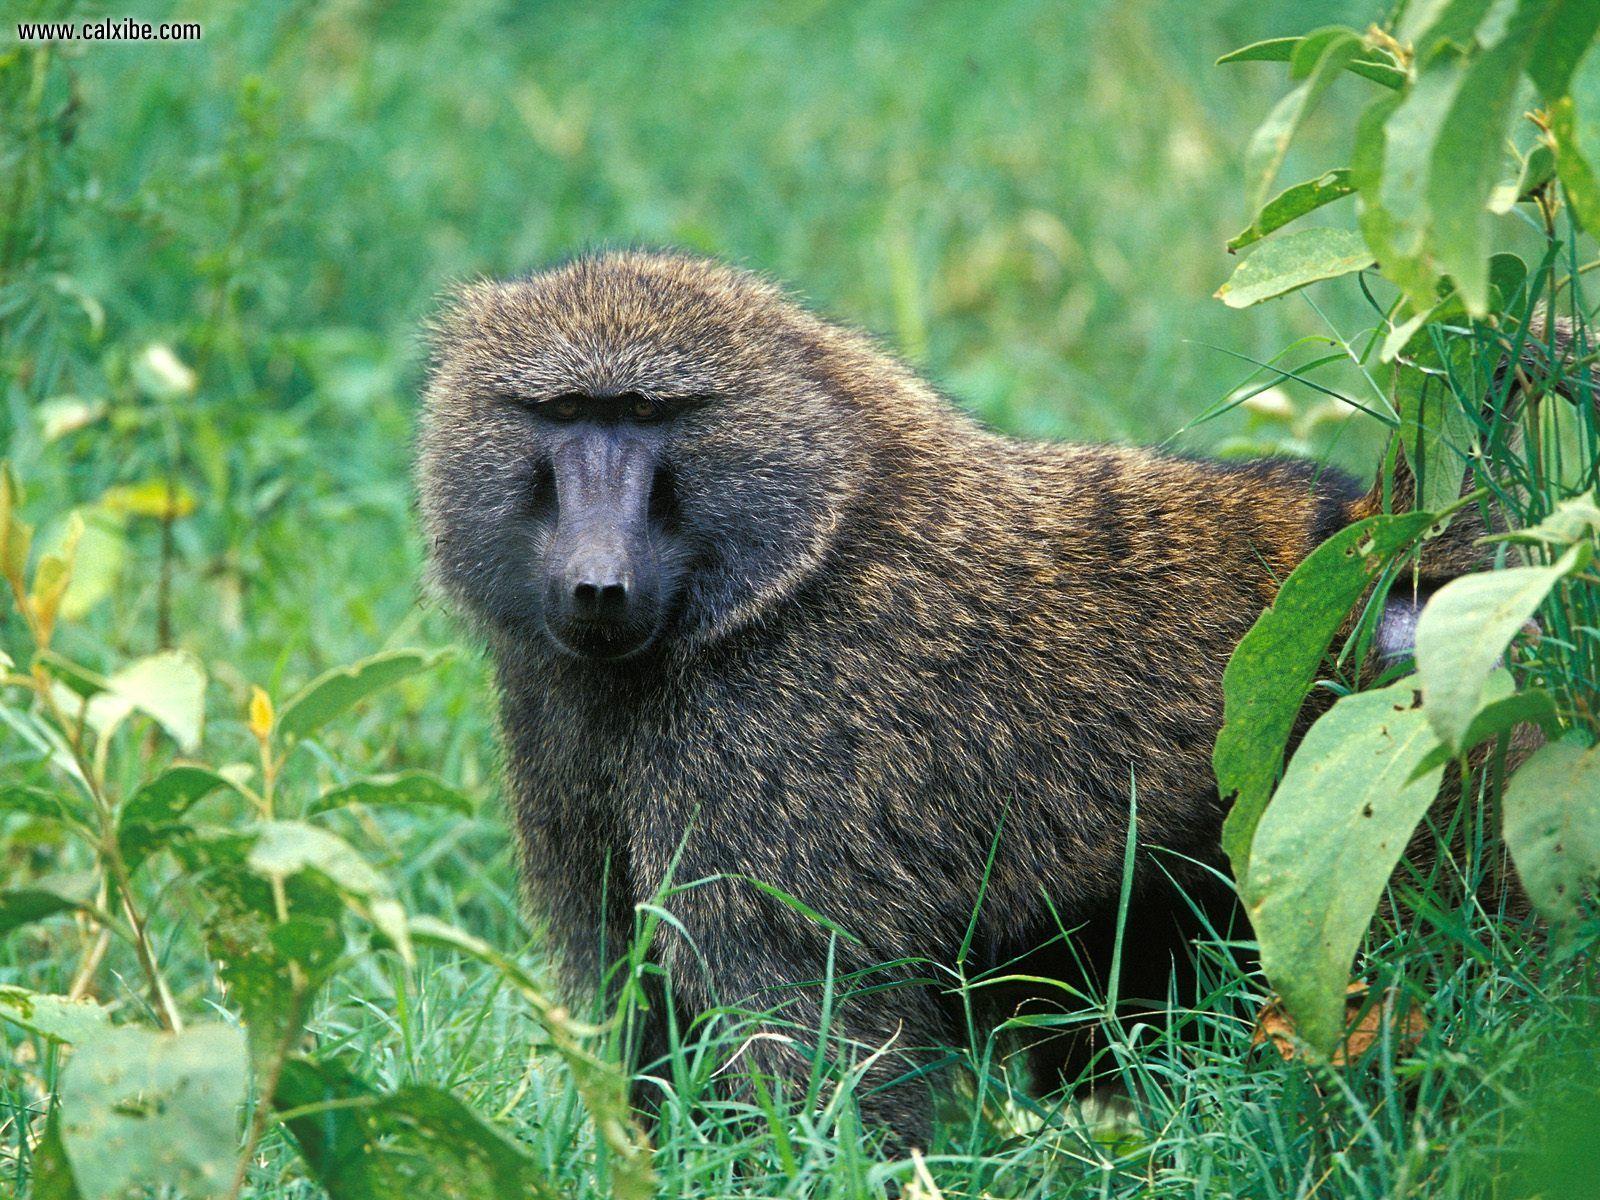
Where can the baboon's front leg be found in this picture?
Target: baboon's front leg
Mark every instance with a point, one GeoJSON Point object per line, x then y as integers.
{"type": "Point", "coordinates": [754, 955]}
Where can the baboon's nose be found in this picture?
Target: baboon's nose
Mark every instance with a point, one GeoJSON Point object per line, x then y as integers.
{"type": "Point", "coordinates": [599, 582]}
{"type": "Point", "coordinates": [600, 597]}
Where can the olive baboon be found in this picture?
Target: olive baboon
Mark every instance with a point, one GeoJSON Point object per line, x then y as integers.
{"type": "Point", "coordinates": [765, 606]}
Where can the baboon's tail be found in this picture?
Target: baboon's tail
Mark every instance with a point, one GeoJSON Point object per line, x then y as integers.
{"type": "Point", "coordinates": [1548, 363]}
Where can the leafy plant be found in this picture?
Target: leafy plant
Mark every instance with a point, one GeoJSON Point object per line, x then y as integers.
{"type": "Point", "coordinates": [284, 903]}
{"type": "Point", "coordinates": [1488, 365]}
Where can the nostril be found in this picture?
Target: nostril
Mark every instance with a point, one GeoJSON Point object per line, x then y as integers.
{"type": "Point", "coordinates": [600, 600]}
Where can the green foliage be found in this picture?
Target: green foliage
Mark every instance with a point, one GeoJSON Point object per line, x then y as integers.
{"type": "Point", "coordinates": [1326, 847]}
{"type": "Point", "coordinates": [21, 906]}
{"type": "Point", "coordinates": [1292, 203]}
{"type": "Point", "coordinates": [153, 815]}
{"type": "Point", "coordinates": [1465, 629]}
{"type": "Point", "coordinates": [1479, 373]}
{"type": "Point", "coordinates": [361, 1145]}
{"type": "Point", "coordinates": [1373, 65]}
{"type": "Point", "coordinates": [168, 687]}
{"type": "Point", "coordinates": [1428, 156]}
{"type": "Point", "coordinates": [1293, 261]}
{"type": "Point", "coordinates": [273, 897]}
{"type": "Point", "coordinates": [1552, 815]}
{"type": "Point", "coordinates": [407, 788]}
{"type": "Point", "coordinates": [138, 1105]}
{"type": "Point", "coordinates": [1328, 54]}
{"type": "Point", "coordinates": [1274, 666]}
{"type": "Point", "coordinates": [334, 693]}
{"type": "Point", "coordinates": [55, 1017]}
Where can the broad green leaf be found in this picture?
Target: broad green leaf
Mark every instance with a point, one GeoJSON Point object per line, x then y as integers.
{"type": "Point", "coordinates": [1572, 520]}
{"type": "Point", "coordinates": [168, 686]}
{"type": "Point", "coordinates": [52, 1176]}
{"type": "Point", "coordinates": [1276, 663]}
{"type": "Point", "coordinates": [1293, 261]}
{"type": "Point", "coordinates": [1537, 170]}
{"type": "Point", "coordinates": [1467, 158]}
{"type": "Point", "coordinates": [285, 848]}
{"type": "Point", "coordinates": [215, 850]}
{"type": "Point", "coordinates": [1303, 62]}
{"type": "Point", "coordinates": [97, 566]}
{"type": "Point", "coordinates": [34, 802]}
{"type": "Point", "coordinates": [1392, 166]}
{"type": "Point", "coordinates": [1327, 845]}
{"type": "Point", "coordinates": [1464, 630]}
{"type": "Point", "coordinates": [407, 788]}
{"type": "Point", "coordinates": [1369, 64]}
{"type": "Point", "coordinates": [1429, 22]}
{"type": "Point", "coordinates": [21, 906]}
{"type": "Point", "coordinates": [1567, 31]}
{"type": "Point", "coordinates": [171, 794]}
{"type": "Point", "coordinates": [54, 1017]}
{"type": "Point", "coordinates": [1269, 145]}
{"type": "Point", "coordinates": [53, 575]}
{"type": "Point", "coordinates": [16, 536]}
{"type": "Point", "coordinates": [1293, 203]}
{"type": "Point", "coordinates": [259, 955]}
{"type": "Point", "coordinates": [1508, 276]}
{"type": "Point", "coordinates": [332, 694]}
{"type": "Point", "coordinates": [82, 681]}
{"type": "Point", "coordinates": [1500, 716]}
{"type": "Point", "coordinates": [1436, 433]}
{"type": "Point", "coordinates": [1368, 151]}
{"type": "Point", "coordinates": [1551, 812]}
{"type": "Point", "coordinates": [1403, 336]}
{"type": "Point", "coordinates": [152, 816]}
{"type": "Point", "coordinates": [1578, 177]}
{"type": "Point", "coordinates": [416, 1141]}
{"type": "Point", "coordinates": [98, 554]}
{"type": "Point", "coordinates": [141, 1107]}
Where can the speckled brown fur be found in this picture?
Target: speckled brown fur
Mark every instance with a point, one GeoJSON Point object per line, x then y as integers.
{"type": "Point", "coordinates": [900, 637]}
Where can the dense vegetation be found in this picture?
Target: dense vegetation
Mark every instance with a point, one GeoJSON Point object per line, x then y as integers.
{"type": "Point", "coordinates": [214, 259]}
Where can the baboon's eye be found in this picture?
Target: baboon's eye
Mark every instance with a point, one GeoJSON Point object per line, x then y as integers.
{"type": "Point", "coordinates": [562, 408]}
{"type": "Point", "coordinates": [642, 408]}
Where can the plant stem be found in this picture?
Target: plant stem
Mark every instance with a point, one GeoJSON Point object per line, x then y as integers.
{"type": "Point", "coordinates": [269, 1086]}
{"type": "Point", "coordinates": [89, 965]}
{"type": "Point", "coordinates": [111, 860]}
{"type": "Point", "coordinates": [164, 580]}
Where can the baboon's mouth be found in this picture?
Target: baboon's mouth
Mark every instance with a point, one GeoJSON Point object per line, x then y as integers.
{"type": "Point", "coordinates": [600, 644]}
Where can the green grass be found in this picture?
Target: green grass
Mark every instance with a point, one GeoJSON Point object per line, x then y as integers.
{"type": "Point", "coordinates": [1029, 201]}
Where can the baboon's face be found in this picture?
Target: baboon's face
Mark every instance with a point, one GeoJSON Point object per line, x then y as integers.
{"type": "Point", "coordinates": [621, 463]}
